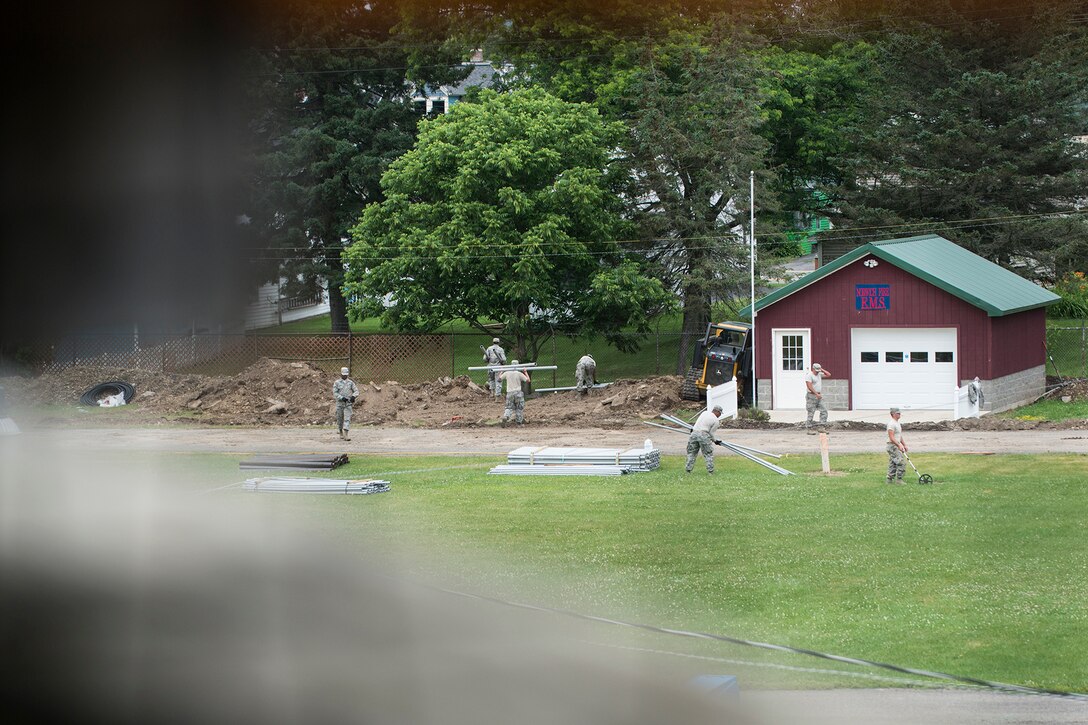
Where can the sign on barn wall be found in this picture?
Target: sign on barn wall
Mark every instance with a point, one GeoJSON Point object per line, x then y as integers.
{"type": "Point", "coordinates": [873, 297]}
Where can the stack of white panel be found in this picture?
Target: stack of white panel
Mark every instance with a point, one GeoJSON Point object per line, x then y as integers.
{"type": "Point", "coordinates": [559, 470]}
{"type": "Point", "coordinates": [560, 461]}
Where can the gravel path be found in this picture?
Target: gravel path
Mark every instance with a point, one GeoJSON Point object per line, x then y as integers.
{"type": "Point", "coordinates": [481, 441]}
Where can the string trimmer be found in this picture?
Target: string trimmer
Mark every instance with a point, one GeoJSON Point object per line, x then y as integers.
{"type": "Point", "coordinates": [922, 477]}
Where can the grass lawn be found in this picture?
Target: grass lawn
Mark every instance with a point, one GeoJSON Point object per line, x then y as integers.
{"type": "Point", "coordinates": [1050, 410]}
{"type": "Point", "coordinates": [983, 574]}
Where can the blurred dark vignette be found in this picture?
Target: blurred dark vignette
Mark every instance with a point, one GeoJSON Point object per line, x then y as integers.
{"type": "Point", "coordinates": [121, 182]}
{"type": "Point", "coordinates": [127, 595]}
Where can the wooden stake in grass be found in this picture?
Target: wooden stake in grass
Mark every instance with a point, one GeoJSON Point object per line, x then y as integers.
{"type": "Point", "coordinates": [825, 460]}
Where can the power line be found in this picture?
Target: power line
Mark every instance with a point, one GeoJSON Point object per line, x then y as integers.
{"type": "Point", "coordinates": [873, 233]}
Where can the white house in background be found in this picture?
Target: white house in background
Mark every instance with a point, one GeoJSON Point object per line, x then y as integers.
{"type": "Point", "coordinates": [434, 101]}
{"type": "Point", "coordinates": [271, 308]}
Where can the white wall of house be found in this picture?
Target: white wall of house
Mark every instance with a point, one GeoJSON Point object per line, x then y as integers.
{"type": "Point", "coordinates": [269, 309]}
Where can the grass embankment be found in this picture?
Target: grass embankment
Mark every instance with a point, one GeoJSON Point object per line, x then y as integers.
{"type": "Point", "coordinates": [1050, 410]}
{"type": "Point", "coordinates": [656, 355]}
{"type": "Point", "coordinates": [983, 574]}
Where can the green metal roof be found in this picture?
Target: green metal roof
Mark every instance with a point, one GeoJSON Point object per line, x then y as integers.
{"type": "Point", "coordinates": [943, 264]}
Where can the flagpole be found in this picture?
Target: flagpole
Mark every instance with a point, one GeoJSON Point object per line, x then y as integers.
{"type": "Point", "coordinates": [752, 260]}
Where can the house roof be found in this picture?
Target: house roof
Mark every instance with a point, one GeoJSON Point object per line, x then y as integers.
{"type": "Point", "coordinates": [944, 264]}
{"type": "Point", "coordinates": [481, 75]}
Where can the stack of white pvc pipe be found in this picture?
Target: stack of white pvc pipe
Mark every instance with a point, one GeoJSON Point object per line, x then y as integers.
{"type": "Point", "coordinates": [561, 461]}
{"type": "Point", "coordinates": [559, 470]}
{"type": "Point", "coordinates": [315, 485]}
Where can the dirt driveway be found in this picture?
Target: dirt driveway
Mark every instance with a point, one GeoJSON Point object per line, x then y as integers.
{"type": "Point", "coordinates": [497, 441]}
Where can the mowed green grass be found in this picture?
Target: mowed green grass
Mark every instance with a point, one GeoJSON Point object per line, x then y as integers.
{"type": "Point", "coordinates": [984, 573]}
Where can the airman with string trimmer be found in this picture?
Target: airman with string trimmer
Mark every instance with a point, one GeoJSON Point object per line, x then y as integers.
{"type": "Point", "coordinates": [897, 449]}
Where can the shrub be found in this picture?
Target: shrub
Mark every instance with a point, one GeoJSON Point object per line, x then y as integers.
{"type": "Point", "coordinates": [753, 414]}
{"type": "Point", "coordinates": [1073, 289]}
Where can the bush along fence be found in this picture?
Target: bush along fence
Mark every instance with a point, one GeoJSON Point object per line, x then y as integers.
{"type": "Point", "coordinates": [406, 358]}
{"type": "Point", "coordinates": [416, 358]}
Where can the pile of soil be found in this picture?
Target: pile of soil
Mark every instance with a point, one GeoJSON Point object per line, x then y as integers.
{"type": "Point", "coordinates": [272, 392]}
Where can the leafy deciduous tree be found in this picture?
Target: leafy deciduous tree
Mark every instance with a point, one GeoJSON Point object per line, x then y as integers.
{"type": "Point", "coordinates": [505, 210]}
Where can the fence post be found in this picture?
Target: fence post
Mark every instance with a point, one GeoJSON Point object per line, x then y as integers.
{"type": "Point", "coordinates": [555, 361]}
{"type": "Point", "coordinates": [453, 355]}
{"type": "Point", "coordinates": [351, 350]}
{"type": "Point", "coordinates": [1083, 354]}
{"type": "Point", "coordinates": [657, 349]}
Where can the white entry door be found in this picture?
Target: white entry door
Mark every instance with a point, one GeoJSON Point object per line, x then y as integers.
{"type": "Point", "coordinates": [905, 367]}
{"type": "Point", "coordinates": [792, 358]}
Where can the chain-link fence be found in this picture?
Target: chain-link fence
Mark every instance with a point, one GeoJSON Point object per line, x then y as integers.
{"type": "Point", "coordinates": [418, 358]}
{"type": "Point", "coordinates": [378, 357]}
{"type": "Point", "coordinates": [1067, 351]}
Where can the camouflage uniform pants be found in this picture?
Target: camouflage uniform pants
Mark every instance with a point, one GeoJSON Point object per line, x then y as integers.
{"type": "Point", "coordinates": [897, 464]}
{"type": "Point", "coordinates": [583, 377]}
{"type": "Point", "coordinates": [343, 415]}
{"type": "Point", "coordinates": [812, 404]}
{"type": "Point", "coordinates": [515, 406]}
{"type": "Point", "coordinates": [493, 382]}
{"type": "Point", "coordinates": [700, 441]}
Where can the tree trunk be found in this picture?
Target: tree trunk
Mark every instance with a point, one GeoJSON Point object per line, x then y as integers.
{"type": "Point", "coordinates": [696, 318]}
{"type": "Point", "coordinates": [696, 309]}
{"type": "Point", "coordinates": [338, 308]}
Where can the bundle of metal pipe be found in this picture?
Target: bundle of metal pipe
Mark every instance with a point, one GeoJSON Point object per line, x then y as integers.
{"type": "Point", "coordinates": [743, 451]}
{"type": "Point", "coordinates": [520, 366]}
{"type": "Point", "coordinates": [315, 485]}
{"type": "Point", "coordinates": [569, 387]}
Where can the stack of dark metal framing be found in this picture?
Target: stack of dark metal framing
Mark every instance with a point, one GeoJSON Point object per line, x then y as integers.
{"type": "Point", "coordinates": [307, 461]}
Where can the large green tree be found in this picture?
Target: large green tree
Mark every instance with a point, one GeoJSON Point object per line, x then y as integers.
{"type": "Point", "coordinates": [504, 211]}
{"type": "Point", "coordinates": [332, 87]}
{"type": "Point", "coordinates": [974, 135]}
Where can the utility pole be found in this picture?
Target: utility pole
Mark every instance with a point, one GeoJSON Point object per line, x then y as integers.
{"type": "Point", "coordinates": [752, 264]}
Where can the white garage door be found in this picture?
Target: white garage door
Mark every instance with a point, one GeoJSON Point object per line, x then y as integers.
{"type": "Point", "coordinates": [907, 367]}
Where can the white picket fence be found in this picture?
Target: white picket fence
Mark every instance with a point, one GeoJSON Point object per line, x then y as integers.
{"type": "Point", "coordinates": [724, 395]}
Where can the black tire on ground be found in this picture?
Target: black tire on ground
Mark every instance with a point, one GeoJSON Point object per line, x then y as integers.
{"type": "Point", "coordinates": [113, 387]}
{"type": "Point", "coordinates": [689, 390]}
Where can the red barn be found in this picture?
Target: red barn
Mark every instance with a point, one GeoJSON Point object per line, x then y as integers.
{"type": "Point", "coordinates": [903, 322]}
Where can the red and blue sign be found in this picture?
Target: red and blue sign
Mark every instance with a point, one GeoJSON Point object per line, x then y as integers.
{"type": "Point", "coordinates": [873, 297]}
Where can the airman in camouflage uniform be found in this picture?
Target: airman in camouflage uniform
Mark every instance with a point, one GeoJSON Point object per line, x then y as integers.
{"type": "Point", "coordinates": [344, 391]}
{"type": "Point", "coordinates": [585, 374]}
{"type": "Point", "coordinates": [515, 398]}
{"type": "Point", "coordinates": [494, 355]}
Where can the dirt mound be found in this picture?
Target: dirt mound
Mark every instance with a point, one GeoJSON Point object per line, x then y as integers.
{"type": "Point", "coordinates": [272, 392]}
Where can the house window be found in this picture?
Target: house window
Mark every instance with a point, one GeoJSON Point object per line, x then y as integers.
{"type": "Point", "coordinates": [419, 107]}
{"type": "Point", "coordinates": [942, 357]}
{"type": "Point", "coordinates": [919, 357]}
{"type": "Point", "coordinates": [893, 357]}
{"type": "Point", "coordinates": [870, 357]}
{"type": "Point", "coordinates": [793, 352]}
{"type": "Point", "coordinates": [438, 107]}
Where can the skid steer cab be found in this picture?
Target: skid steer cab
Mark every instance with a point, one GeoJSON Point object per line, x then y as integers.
{"type": "Point", "coordinates": [724, 352]}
